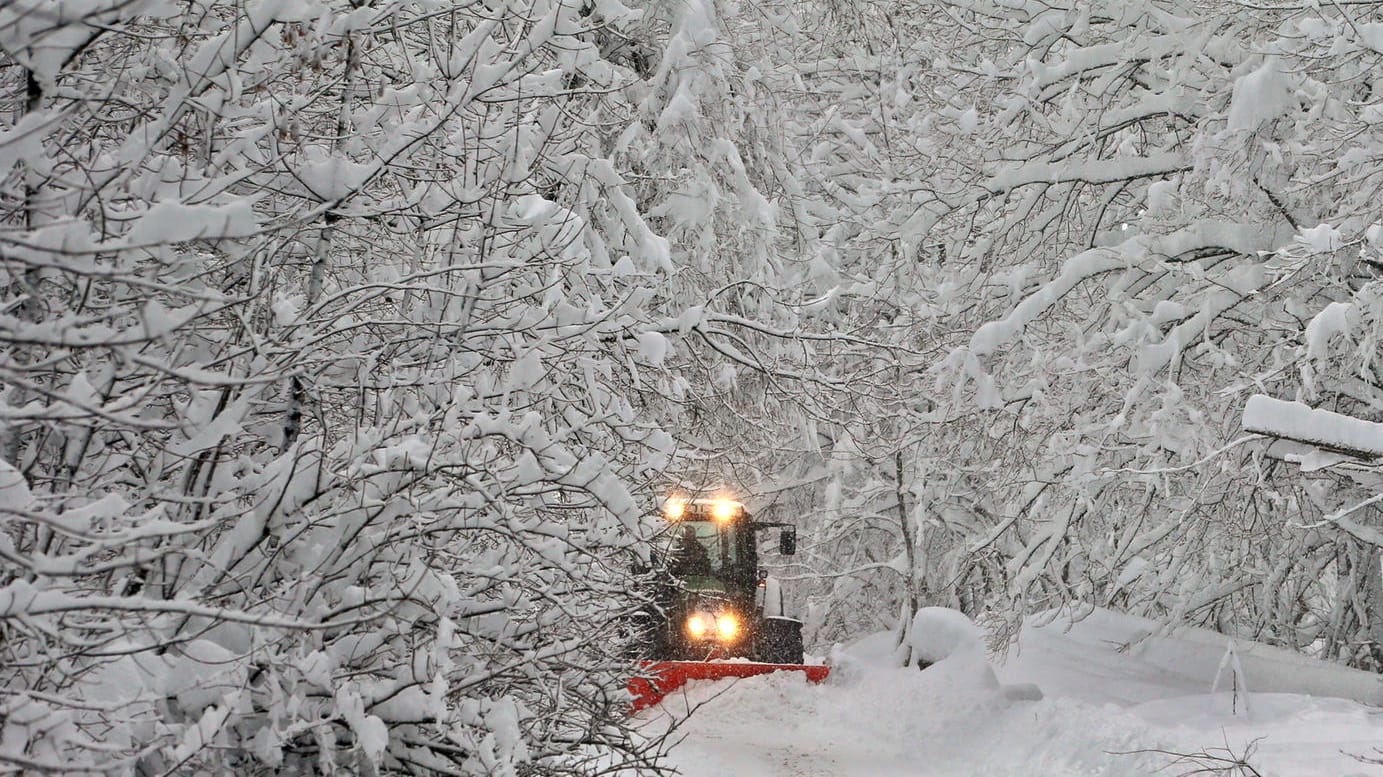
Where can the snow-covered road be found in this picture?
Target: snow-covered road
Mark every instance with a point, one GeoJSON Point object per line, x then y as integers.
{"type": "Point", "coordinates": [1107, 705]}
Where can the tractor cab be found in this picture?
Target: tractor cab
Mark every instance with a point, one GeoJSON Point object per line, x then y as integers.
{"type": "Point", "coordinates": [711, 554]}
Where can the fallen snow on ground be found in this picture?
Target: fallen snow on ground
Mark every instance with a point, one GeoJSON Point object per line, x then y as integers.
{"type": "Point", "coordinates": [1115, 689]}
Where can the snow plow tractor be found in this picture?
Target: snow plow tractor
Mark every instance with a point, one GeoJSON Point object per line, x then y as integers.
{"type": "Point", "coordinates": [716, 614]}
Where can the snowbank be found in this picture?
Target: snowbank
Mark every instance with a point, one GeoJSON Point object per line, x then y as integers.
{"type": "Point", "coordinates": [1185, 660]}
{"type": "Point", "coordinates": [1116, 691]}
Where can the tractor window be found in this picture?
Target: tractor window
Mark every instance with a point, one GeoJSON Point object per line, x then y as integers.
{"type": "Point", "coordinates": [703, 549]}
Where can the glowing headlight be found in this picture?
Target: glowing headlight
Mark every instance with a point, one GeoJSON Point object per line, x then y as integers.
{"type": "Point", "coordinates": [727, 626]}
{"type": "Point", "coordinates": [674, 508]}
{"type": "Point", "coordinates": [698, 624]}
{"type": "Point", "coordinates": [723, 510]}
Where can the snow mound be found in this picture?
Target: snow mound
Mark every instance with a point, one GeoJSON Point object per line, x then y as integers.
{"type": "Point", "coordinates": [940, 633]}
{"type": "Point", "coordinates": [942, 637]}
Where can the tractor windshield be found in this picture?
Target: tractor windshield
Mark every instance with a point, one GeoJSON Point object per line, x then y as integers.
{"type": "Point", "coordinates": [704, 553]}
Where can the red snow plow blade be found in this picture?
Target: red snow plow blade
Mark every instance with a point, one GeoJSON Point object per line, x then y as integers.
{"type": "Point", "coordinates": [663, 677]}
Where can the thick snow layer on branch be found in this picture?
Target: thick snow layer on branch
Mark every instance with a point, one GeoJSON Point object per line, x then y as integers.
{"type": "Point", "coordinates": [1296, 421]}
{"type": "Point", "coordinates": [1103, 56]}
{"type": "Point", "coordinates": [1260, 96]}
{"type": "Point", "coordinates": [14, 489]}
{"type": "Point", "coordinates": [24, 140]}
{"type": "Point", "coordinates": [1092, 171]}
{"type": "Point", "coordinates": [1241, 238]}
{"type": "Point", "coordinates": [172, 222]}
{"type": "Point", "coordinates": [1331, 321]}
{"type": "Point", "coordinates": [1078, 268]}
{"type": "Point", "coordinates": [1321, 238]}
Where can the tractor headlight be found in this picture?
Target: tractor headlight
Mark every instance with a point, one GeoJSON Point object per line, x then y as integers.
{"type": "Point", "coordinates": [723, 510]}
{"type": "Point", "coordinates": [727, 626]}
{"type": "Point", "coordinates": [698, 623]}
{"type": "Point", "coordinates": [674, 508]}
{"type": "Point", "coordinates": [722, 626]}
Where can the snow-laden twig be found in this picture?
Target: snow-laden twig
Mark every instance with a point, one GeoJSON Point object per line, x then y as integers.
{"type": "Point", "coordinates": [1195, 465]}
{"type": "Point", "coordinates": [1340, 518]}
{"type": "Point", "coordinates": [1217, 761]}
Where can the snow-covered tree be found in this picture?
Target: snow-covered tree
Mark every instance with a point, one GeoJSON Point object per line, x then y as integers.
{"type": "Point", "coordinates": [320, 329]}
{"type": "Point", "coordinates": [1067, 240]}
{"type": "Point", "coordinates": [1170, 218]}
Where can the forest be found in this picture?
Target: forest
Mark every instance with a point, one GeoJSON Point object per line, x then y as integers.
{"type": "Point", "coordinates": [348, 347]}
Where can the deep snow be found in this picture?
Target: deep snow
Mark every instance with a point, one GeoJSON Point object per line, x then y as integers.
{"type": "Point", "coordinates": [1113, 686]}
